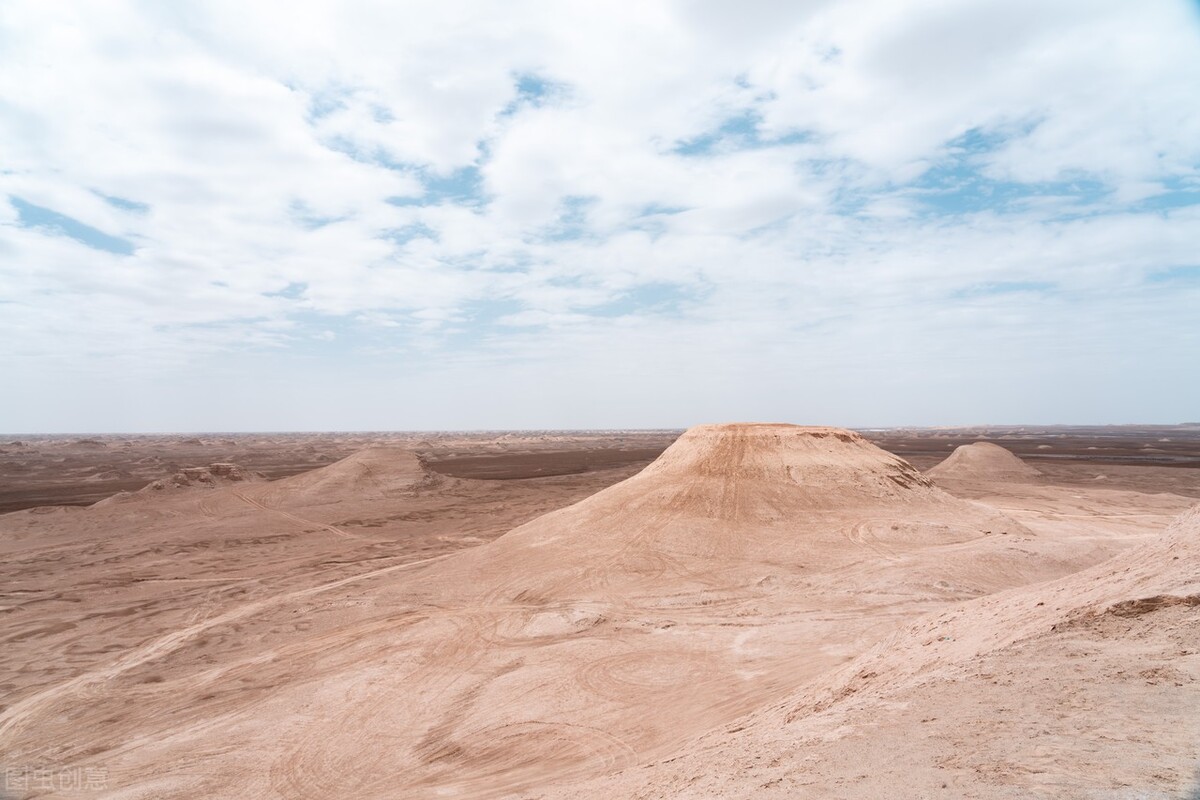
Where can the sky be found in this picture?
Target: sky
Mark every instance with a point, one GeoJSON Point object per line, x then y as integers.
{"type": "Point", "coordinates": [224, 216]}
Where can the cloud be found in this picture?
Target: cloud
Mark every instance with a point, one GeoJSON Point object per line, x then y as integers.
{"type": "Point", "coordinates": [646, 215]}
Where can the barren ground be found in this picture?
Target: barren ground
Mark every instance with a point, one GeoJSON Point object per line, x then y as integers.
{"type": "Point", "coordinates": [348, 631]}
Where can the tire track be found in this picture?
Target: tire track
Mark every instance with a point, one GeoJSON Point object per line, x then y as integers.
{"type": "Point", "coordinates": [1082, 516]}
{"type": "Point", "coordinates": [510, 758]}
{"type": "Point", "coordinates": [302, 521]}
{"type": "Point", "coordinates": [860, 534]}
{"type": "Point", "coordinates": [20, 713]}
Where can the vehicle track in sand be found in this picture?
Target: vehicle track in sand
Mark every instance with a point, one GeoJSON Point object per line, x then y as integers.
{"type": "Point", "coordinates": [302, 521]}
{"type": "Point", "coordinates": [471, 759]}
{"type": "Point", "coordinates": [506, 758]}
{"type": "Point", "coordinates": [860, 534]}
{"type": "Point", "coordinates": [205, 505]}
{"type": "Point", "coordinates": [644, 672]}
{"type": "Point", "coordinates": [20, 713]}
{"type": "Point", "coordinates": [1045, 513]}
{"type": "Point", "coordinates": [510, 758]}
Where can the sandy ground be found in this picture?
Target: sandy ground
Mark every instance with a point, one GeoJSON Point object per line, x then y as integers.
{"type": "Point", "coordinates": [1083, 687]}
{"type": "Point", "coordinates": [698, 627]}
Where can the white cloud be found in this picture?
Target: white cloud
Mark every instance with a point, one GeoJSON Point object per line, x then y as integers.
{"type": "Point", "coordinates": [839, 194]}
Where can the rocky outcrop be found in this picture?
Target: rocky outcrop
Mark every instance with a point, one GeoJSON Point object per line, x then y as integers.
{"type": "Point", "coordinates": [218, 474]}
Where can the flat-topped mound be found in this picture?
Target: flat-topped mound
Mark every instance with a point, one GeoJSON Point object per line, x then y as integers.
{"type": "Point", "coordinates": [819, 467]}
{"type": "Point", "coordinates": [983, 461]}
{"type": "Point", "coordinates": [725, 500]}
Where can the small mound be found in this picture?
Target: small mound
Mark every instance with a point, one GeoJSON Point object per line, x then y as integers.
{"type": "Point", "coordinates": [374, 472]}
{"type": "Point", "coordinates": [983, 461]}
{"type": "Point", "coordinates": [214, 476]}
{"type": "Point", "coordinates": [211, 476]}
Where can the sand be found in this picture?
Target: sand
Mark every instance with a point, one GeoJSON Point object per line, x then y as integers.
{"type": "Point", "coordinates": [764, 608]}
{"type": "Point", "coordinates": [1087, 686]}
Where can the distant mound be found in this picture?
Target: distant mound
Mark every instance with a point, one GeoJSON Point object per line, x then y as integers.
{"type": "Point", "coordinates": [983, 461]}
{"type": "Point", "coordinates": [219, 474]}
{"type": "Point", "coordinates": [214, 476]}
{"type": "Point", "coordinates": [377, 472]}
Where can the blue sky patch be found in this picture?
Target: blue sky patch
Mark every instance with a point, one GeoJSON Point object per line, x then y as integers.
{"type": "Point", "coordinates": [407, 233]}
{"type": "Point", "coordinates": [658, 210]}
{"type": "Point", "coordinates": [462, 186]}
{"type": "Point", "coordinates": [1187, 274]}
{"type": "Point", "coordinates": [572, 219]}
{"type": "Point", "coordinates": [50, 221]}
{"type": "Point", "coordinates": [994, 288]}
{"type": "Point", "coordinates": [293, 291]}
{"type": "Point", "coordinates": [534, 91]}
{"type": "Point", "coordinates": [661, 298]}
{"type": "Point", "coordinates": [1177, 193]}
{"type": "Point", "coordinates": [304, 216]}
{"type": "Point", "coordinates": [958, 185]}
{"type": "Point", "coordinates": [123, 203]}
{"type": "Point", "coordinates": [738, 132]}
{"type": "Point", "coordinates": [323, 103]}
{"type": "Point", "coordinates": [653, 219]}
{"type": "Point", "coordinates": [476, 320]}
{"type": "Point", "coordinates": [382, 114]}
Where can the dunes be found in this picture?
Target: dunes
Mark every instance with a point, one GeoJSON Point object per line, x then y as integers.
{"type": "Point", "coordinates": [757, 594]}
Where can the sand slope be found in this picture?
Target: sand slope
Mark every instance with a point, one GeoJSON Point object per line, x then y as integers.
{"type": "Point", "coordinates": [982, 461]}
{"type": "Point", "coordinates": [1088, 686]}
{"type": "Point", "coordinates": [205, 576]}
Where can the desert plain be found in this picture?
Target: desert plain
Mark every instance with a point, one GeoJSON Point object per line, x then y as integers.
{"type": "Point", "coordinates": [734, 610]}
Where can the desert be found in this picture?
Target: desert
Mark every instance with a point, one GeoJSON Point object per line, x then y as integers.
{"type": "Point", "coordinates": [667, 400]}
{"type": "Point", "coordinates": [734, 610]}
